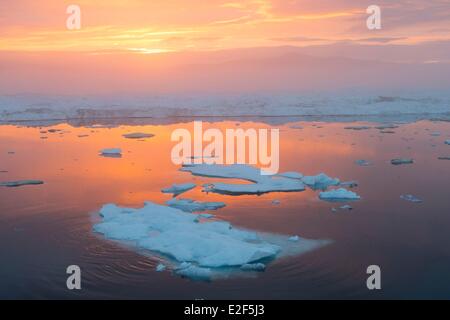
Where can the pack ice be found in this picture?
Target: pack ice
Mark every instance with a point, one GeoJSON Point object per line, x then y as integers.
{"type": "Point", "coordinates": [198, 249]}
{"type": "Point", "coordinates": [259, 183]}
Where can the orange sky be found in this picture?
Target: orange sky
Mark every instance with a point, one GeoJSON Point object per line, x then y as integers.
{"type": "Point", "coordinates": [154, 26]}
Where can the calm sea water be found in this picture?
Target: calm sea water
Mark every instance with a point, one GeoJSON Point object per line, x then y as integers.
{"type": "Point", "coordinates": [45, 228]}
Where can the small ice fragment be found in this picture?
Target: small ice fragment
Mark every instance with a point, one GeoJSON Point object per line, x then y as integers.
{"type": "Point", "coordinates": [320, 181]}
{"type": "Point", "coordinates": [346, 207]}
{"type": "Point", "coordinates": [83, 135]}
{"type": "Point", "coordinates": [447, 142]}
{"type": "Point", "coordinates": [188, 205]}
{"type": "Point", "coordinates": [138, 135]}
{"type": "Point", "coordinates": [296, 126]}
{"type": "Point", "coordinates": [333, 209]}
{"type": "Point", "coordinates": [401, 161]}
{"type": "Point", "coordinates": [178, 189]}
{"type": "Point", "coordinates": [291, 175]}
{"type": "Point", "coordinates": [387, 131]}
{"type": "Point", "coordinates": [253, 267]}
{"type": "Point", "coordinates": [191, 271]}
{"type": "Point", "coordinates": [160, 267]}
{"type": "Point", "coordinates": [294, 238]}
{"type": "Point", "coordinates": [357, 128]}
{"type": "Point", "coordinates": [111, 152]}
{"type": "Point", "coordinates": [410, 197]}
{"type": "Point", "coordinates": [276, 202]}
{"type": "Point", "coordinates": [363, 163]}
{"type": "Point", "coordinates": [435, 134]}
{"type": "Point", "coordinates": [206, 215]}
{"type": "Point", "coordinates": [443, 158]}
{"type": "Point", "coordinates": [20, 183]}
{"type": "Point", "coordinates": [339, 195]}
{"type": "Point", "coordinates": [349, 184]}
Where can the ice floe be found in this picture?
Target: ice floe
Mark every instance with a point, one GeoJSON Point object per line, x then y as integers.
{"type": "Point", "coordinates": [294, 238]}
{"type": "Point", "coordinates": [177, 189]}
{"type": "Point", "coordinates": [444, 158]}
{"type": "Point", "coordinates": [195, 248]}
{"type": "Point", "coordinates": [320, 181]}
{"type": "Point", "coordinates": [410, 197]}
{"type": "Point", "coordinates": [260, 183]}
{"type": "Point", "coordinates": [138, 135]}
{"type": "Point", "coordinates": [447, 142]}
{"type": "Point", "coordinates": [349, 184]}
{"type": "Point", "coordinates": [20, 183]}
{"type": "Point", "coordinates": [189, 205]}
{"type": "Point", "coordinates": [340, 194]}
{"type": "Point", "coordinates": [401, 161]}
{"type": "Point", "coordinates": [387, 126]}
{"type": "Point", "coordinates": [363, 163]}
{"type": "Point", "coordinates": [111, 152]}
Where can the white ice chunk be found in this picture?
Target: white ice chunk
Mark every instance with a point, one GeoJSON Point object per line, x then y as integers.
{"type": "Point", "coordinates": [191, 271]}
{"type": "Point", "coordinates": [447, 142]}
{"type": "Point", "coordinates": [320, 181]}
{"type": "Point", "coordinates": [261, 183]}
{"type": "Point", "coordinates": [339, 195]}
{"type": "Point", "coordinates": [178, 189]}
{"type": "Point", "coordinates": [179, 235]}
{"type": "Point", "coordinates": [189, 205]}
{"type": "Point", "coordinates": [294, 238]}
{"type": "Point", "coordinates": [111, 152]}
{"type": "Point", "coordinates": [363, 163]}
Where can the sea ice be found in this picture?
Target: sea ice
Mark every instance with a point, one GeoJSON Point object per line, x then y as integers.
{"type": "Point", "coordinates": [320, 181]}
{"type": "Point", "coordinates": [294, 238]}
{"type": "Point", "coordinates": [138, 135]}
{"type": "Point", "coordinates": [363, 163]}
{"type": "Point", "coordinates": [195, 246]}
{"type": "Point", "coordinates": [178, 189]}
{"type": "Point", "coordinates": [410, 197]}
{"type": "Point", "coordinates": [402, 161]}
{"type": "Point", "coordinates": [387, 126]}
{"type": "Point", "coordinates": [447, 142]}
{"type": "Point", "coordinates": [261, 183]}
{"type": "Point", "coordinates": [20, 183]}
{"type": "Point", "coordinates": [349, 184]}
{"type": "Point", "coordinates": [189, 205]}
{"type": "Point", "coordinates": [339, 195]}
{"type": "Point", "coordinates": [443, 158]}
{"type": "Point", "coordinates": [111, 152]}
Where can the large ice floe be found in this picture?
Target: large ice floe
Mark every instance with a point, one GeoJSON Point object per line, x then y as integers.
{"type": "Point", "coordinates": [259, 183]}
{"type": "Point", "coordinates": [195, 249]}
{"type": "Point", "coordinates": [320, 181]}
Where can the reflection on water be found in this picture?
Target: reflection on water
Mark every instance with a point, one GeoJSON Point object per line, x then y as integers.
{"type": "Point", "coordinates": [47, 227]}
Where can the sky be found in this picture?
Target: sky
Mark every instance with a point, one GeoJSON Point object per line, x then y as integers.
{"type": "Point", "coordinates": [187, 32]}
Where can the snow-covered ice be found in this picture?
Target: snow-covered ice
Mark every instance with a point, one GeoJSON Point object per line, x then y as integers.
{"type": "Point", "coordinates": [177, 189]}
{"type": "Point", "coordinates": [340, 194]}
{"type": "Point", "coordinates": [363, 163]}
{"type": "Point", "coordinates": [138, 135]}
{"type": "Point", "coordinates": [260, 183]}
{"type": "Point", "coordinates": [189, 205]}
{"type": "Point", "coordinates": [294, 238]}
{"type": "Point", "coordinates": [20, 183]}
{"type": "Point", "coordinates": [195, 247]}
{"type": "Point", "coordinates": [320, 181]}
